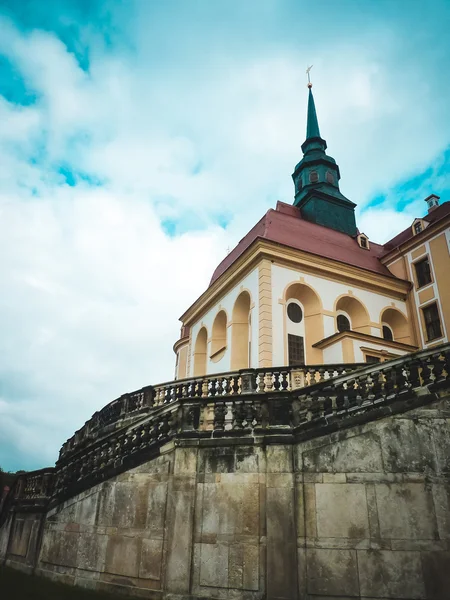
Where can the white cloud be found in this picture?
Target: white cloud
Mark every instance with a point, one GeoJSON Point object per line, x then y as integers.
{"type": "Point", "coordinates": [91, 285]}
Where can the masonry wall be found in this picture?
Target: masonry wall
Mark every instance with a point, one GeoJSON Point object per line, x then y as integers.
{"type": "Point", "coordinates": [363, 513]}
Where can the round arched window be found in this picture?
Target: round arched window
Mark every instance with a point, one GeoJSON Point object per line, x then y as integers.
{"type": "Point", "coordinates": [294, 312]}
{"type": "Point", "coordinates": [343, 323]}
{"type": "Point", "coordinates": [330, 177]}
{"type": "Point", "coordinates": [387, 333]}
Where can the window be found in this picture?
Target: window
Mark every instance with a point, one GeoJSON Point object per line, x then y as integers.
{"type": "Point", "coordinates": [343, 323]}
{"type": "Point", "coordinates": [296, 350]}
{"type": "Point", "coordinates": [313, 177]}
{"type": "Point", "coordinates": [363, 242]}
{"type": "Point", "coordinates": [372, 359]}
{"type": "Point", "coordinates": [387, 333]}
{"type": "Point", "coordinates": [423, 272]}
{"type": "Point", "coordinates": [330, 177]}
{"type": "Point", "coordinates": [294, 312]}
{"type": "Point", "coordinates": [432, 321]}
{"type": "Point", "coordinates": [417, 227]}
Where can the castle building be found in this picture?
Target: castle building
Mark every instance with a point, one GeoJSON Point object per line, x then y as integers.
{"type": "Point", "coordinates": [306, 287]}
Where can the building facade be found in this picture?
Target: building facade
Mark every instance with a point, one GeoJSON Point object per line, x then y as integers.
{"type": "Point", "coordinates": [306, 287]}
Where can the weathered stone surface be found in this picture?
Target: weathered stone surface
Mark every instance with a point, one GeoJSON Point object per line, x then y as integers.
{"type": "Point", "coordinates": [214, 565]}
{"type": "Point", "coordinates": [151, 559]}
{"type": "Point", "coordinates": [21, 532]}
{"type": "Point", "coordinates": [341, 510]}
{"type": "Point", "coordinates": [406, 511]}
{"type": "Point", "coordinates": [130, 505]}
{"type": "Point", "coordinates": [360, 453]}
{"type": "Point", "coordinates": [436, 574]}
{"type": "Point", "coordinates": [407, 446]}
{"type": "Point", "coordinates": [281, 543]}
{"type": "Point", "coordinates": [332, 572]}
{"type": "Point", "coordinates": [386, 574]}
{"type": "Point", "coordinates": [122, 556]}
{"type": "Point", "coordinates": [91, 552]}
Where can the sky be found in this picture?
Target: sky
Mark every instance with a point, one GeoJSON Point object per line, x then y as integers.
{"type": "Point", "coordinates": [141, 139]}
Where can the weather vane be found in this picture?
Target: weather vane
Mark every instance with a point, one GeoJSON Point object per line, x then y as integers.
{"type": "Point", "coordinates": [307, 72]}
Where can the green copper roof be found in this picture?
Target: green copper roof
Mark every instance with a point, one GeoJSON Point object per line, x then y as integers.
{"type": "Point", "coordinates": [312, 128]}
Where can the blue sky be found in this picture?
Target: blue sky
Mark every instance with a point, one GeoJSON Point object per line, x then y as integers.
{"type": "Point", "coordinates": [140, 139]}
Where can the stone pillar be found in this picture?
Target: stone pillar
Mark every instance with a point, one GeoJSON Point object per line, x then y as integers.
{"type": "Point", "coordinates": [180, 521]}
{"type": "Point", "coordinates": [281, 565]}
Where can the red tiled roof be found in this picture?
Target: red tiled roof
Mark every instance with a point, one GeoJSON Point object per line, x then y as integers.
{"type": "Point", "coordinates": [285, 226]}
{"type": "Point", "coordinates": [433, 217]}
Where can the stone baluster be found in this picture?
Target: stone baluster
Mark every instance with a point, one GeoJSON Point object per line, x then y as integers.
{"type": "Point", "coordinates": [220, 411]}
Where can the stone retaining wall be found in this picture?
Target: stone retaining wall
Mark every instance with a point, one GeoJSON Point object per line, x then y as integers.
{"type": "Point", "coordinates": [360, 513]}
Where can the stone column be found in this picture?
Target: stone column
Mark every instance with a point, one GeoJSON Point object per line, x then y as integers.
{"type": "Point", "coordinates": [180, 521]}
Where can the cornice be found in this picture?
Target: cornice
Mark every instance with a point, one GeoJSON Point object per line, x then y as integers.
{"type": "Point", "coordinates": [416, 240]}
{"type": "Point", "coordinates": [261, 249]}
{"type": "Point", "coordinates": [181, 342]}
{"type": "Point", "coordinates": [365, 337]}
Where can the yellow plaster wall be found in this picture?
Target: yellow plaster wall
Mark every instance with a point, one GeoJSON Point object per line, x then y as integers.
{"type": "Point", "coordinates": [441, 266]}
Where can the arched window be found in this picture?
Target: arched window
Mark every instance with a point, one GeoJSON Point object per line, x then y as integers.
{"type": "Point", "coordinates": [355, 312]}
{"type": "Point", "coordinates": [387, 333]}
{"type": "Point", "coordinates": [397, 323]}
{"type": "Point", "coordinates": [240, 332]}
{"type": "Point", "coordinates": [303, 325]}
{"type": "Point", "coordinates": [330, 177]}
{"type": "Point", "coordinates": [200, 352]}
{"type": "Point", "coordinates": [343, 323]}
{"type": "Point", "coordinates": [219, 336]}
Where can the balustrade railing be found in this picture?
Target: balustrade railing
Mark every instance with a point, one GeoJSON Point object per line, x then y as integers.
{"type": "Point", "coordinates": [234, 383]}
{"type": "Point", "coordinates": [257, 413]}
{"type": "Point", "coordinates": [29, 489]}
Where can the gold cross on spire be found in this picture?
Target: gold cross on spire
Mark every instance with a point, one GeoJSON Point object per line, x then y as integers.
{"type": "Point", "coordinates": [307, 72]}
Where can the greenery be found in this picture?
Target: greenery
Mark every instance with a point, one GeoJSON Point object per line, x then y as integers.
{"type": "Point", "coordinates": [7, 478]}
{"type": "Point", "coordinates": [17, 586]}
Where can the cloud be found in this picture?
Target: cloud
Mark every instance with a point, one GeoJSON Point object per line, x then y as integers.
{"type": "Point", "coordinates": [135, 146]}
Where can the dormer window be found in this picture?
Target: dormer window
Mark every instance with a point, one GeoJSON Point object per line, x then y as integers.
{"type": "Point", "coordinates": [313, 177]}
{"type": "Point", "coordinates": [363, 241]}
{"type": "Point", "coordinates": [417, 227]}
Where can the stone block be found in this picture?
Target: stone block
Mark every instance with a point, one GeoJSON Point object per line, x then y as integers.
{"type": "Point", "coordinates": [361, 453]}
{"type": "Point", "coordinates": [243, 567]}
{"type": "Point", "coordinates": [156, 508]}
{"type": "Point", "coordinates": [407, 446]}
{"type": "Point", "coordinates": [87, 510]}
{"type": "Point", "coordinates": [151, 559]}
{"type": "Point", "coordinates": [216, 460]}
{"type": "Point", "coordinates": [20, 536]}
{"type": "Point", "coordinates": [279, 459]}
{"type": "Point", "coordinates": [281, 544]}
{"type": "Point", "coordinates": [341, 510]}
{"type": "Point", "coordinates": [441, 498]}
{"type": "Point", "coordinates": [310, 510]}
{"type": "Point", "coordinates": [91, 552]}
{"type": "Point", "coordinates": [214, 565]}
{"type": "Point", "coordinates": [180, 529]}
{"type": "Point", "coordinates": [247, 460]}
{"type": "Point", "coordinates": [406, 511]}
{"type": "Point", "coordinates": [387, 574]}
{"type": "Point", "coordinates": [130, 505]}
{"type": "Point", "coordinates": [229, 509]}
{"type": "Point", "coordinates": [436, 574]}
{"type": "Point", "coordinates": [332, 572]}
{"type": "Point", "coordinates": [185, 461]}
{"type": "Point", "coordinates": [106, 502]}
{"type": "Point", "coordinates": [123, 556]}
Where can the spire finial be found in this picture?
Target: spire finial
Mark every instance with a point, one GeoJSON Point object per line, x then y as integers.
{"type": "Point", "coordinates": [309, 80]}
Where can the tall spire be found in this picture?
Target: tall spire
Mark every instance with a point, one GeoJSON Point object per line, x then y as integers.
{"type": "Point", "coordinates": [316, 180]}
{"type": "Point", "coordinates": [312, 127]}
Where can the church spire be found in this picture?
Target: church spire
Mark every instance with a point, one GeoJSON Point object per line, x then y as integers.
{"type": "Point", "coordinates": [316, 180]}
{"type": "Point", "coordinates": [312, 126]}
